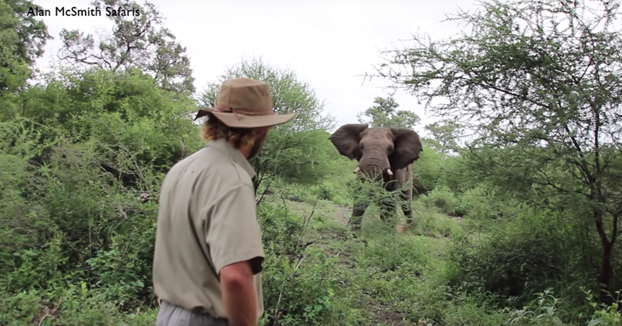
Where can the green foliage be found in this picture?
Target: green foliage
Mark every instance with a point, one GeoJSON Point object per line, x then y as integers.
{"type": "Point", "coordinates": [22, 39]}
{"type": "Point", "coordinates": [521, 254]}
{"type": "Point", "coordinates": [136, 42]}
{"type": "Point", "coordinates": [123, 114]}
{"type": "Point", "coordinates": [546, 120]}
{"type": "Point", "coordinates": [445, 135]}
{"type": "Point", "coordinates": [427, 169]}
{"type": "Point", "coordinates": [457, 175]}
{"type": "Point", "coordinates": [88, 147]}
{"type": "Point", "coordinates": [74, 305]}
{"type": "Point", "coordinates": [22, 34]}
{"type": "Point", "coordinates": [542, 311]}
{"type": "Point", "coordinates": [77, 220]}
{"type": "Point", "coordinates": [443, 199]}
{"type": "Point", "coordinates": [384, 114]}
{"type": "Point", "coordinates": [298, 278]}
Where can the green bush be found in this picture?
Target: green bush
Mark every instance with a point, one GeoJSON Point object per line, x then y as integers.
{"type": "Point", "coordinates": [298, 279]}
{"type": "Point", "coordinates": [443, 199]}
{"type": "Point", "coordinates": [519, 258]}
{"type": "Point", "coordinates": [74, 305]}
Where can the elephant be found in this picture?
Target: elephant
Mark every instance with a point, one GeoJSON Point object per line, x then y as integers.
{"type": "Point", "coordinates": [385, 153]}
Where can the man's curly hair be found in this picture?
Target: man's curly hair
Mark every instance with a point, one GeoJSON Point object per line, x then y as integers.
{"type": "Point", "coordinates": [214, 129]}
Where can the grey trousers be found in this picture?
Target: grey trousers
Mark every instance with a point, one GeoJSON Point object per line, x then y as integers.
{"type": "Point", "coordinates": [171, 315]}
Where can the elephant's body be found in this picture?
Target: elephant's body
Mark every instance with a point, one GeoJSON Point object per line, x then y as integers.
{"type": "Point", "coordinates": [386, 152]}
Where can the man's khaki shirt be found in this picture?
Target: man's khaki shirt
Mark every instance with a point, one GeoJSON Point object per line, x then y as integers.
{"type": "Point", "coordinates": [206, 220]}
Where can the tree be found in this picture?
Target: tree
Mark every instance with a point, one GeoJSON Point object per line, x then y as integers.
{"type": "Point", "coordinates": [541, 81]}
{"type": "Point", "coordinates": [136, 42]}
{"type": "Point", "coordinates": [293, 151]}
{"type": "Point", "coordinates": [444, 136]}
{"type": "Point", "coordinates": [22, 39]}
{"type": "Point", "coordinates": [384, 114]}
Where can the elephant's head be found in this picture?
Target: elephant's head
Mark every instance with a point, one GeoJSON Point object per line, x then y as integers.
{"type": "Point", "coordinates": [377, 149]}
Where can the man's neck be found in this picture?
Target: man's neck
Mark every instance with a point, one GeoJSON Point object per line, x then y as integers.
{"type": "Point", "coordinates": [245, 151]}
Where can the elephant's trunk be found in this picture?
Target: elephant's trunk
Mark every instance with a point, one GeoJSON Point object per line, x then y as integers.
{"type": "Point", "coordinates": [374, 171]}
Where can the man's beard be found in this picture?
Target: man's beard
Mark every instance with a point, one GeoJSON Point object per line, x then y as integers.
{"type": "Point", "coordinates": [256, 147]}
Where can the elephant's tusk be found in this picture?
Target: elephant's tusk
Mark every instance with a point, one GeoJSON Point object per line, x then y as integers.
{"type": "Point", "coordinates": [357, 170]}
{"type": "Point", "coordinates": [389, 172]}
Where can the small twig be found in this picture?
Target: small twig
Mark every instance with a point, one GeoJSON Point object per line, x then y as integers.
{"type": "Point", "coordinates": [552, 266]}
{"type": "Point", "coordinates": [264, 192]}
{"type": "Point", "coordinates": [283, 199]}
{"type": "Point", "coordinates": [122, 211]}
{"type": "Point", "coordinates": [183, 149]}
{"type": "Point", "coordinates": [136, 165]}
{"type": "Point", "coordinates": [47, 313]}
{"type": "Point", "coordinates": [50, 311]}
{"type": "Point", "coordinates": [305, 225]}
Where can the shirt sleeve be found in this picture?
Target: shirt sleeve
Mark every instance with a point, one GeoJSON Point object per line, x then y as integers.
{"type": "Point", "coordinates": [233, 233]}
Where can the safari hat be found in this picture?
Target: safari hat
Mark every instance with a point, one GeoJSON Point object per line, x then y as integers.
{"type": "Point", "coordinates": [245, 103]}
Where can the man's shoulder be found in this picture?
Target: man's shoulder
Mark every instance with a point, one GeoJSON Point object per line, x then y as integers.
{"type": "Point", "coordinates": [210, 165]}
{"type": "Point", "coordinates": [219, 166]}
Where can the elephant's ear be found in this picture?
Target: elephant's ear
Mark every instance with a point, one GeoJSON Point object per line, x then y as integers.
{"type": "Point", "coordinates": [407, 147]}
{"type": "Point", "coordinates": [346, 139]}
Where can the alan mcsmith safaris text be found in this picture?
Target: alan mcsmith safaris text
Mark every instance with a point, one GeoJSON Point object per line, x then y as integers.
{"type": "Point", "coordinates": [86, 12]}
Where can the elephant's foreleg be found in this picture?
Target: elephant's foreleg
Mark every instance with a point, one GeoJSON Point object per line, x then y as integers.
{"type": "Point", "coordinates": [357, 214]}
{"type": "Point", "coordinates": [406, 197]}
{"type": "Point", "coordinates": [388, 208]}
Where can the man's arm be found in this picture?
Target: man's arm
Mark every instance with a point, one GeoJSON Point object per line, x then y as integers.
{"type": "Point", "coordinates": [238, 294]}
{"type": "Point", "coordinates": [234, 240]}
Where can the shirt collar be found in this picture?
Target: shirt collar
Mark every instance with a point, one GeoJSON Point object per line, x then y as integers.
{"type": "Point", "coordinates": [235, 155]}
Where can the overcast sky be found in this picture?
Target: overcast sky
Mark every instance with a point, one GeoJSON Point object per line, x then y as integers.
{"type": "Point", "coordinates": [327, 43]}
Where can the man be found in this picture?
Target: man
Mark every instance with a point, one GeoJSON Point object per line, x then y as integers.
{"type": "Point", "coordinates": [208, 250]}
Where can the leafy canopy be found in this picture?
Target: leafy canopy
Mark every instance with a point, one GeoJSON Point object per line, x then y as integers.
{"type": "Point", "coordinates": [22, 39]}
{"type": "Point", "coordinates": [140, 42]}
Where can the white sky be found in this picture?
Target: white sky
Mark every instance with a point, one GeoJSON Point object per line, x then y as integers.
{"type": "Point", "coordinates": [328, 44]}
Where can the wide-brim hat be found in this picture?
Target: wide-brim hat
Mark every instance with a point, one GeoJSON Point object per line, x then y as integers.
{"type": "Point", "coordinates": [245, 103]}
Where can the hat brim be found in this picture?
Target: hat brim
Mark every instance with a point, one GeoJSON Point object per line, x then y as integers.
{"type": "Point", "coordinates": [247, 121]}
